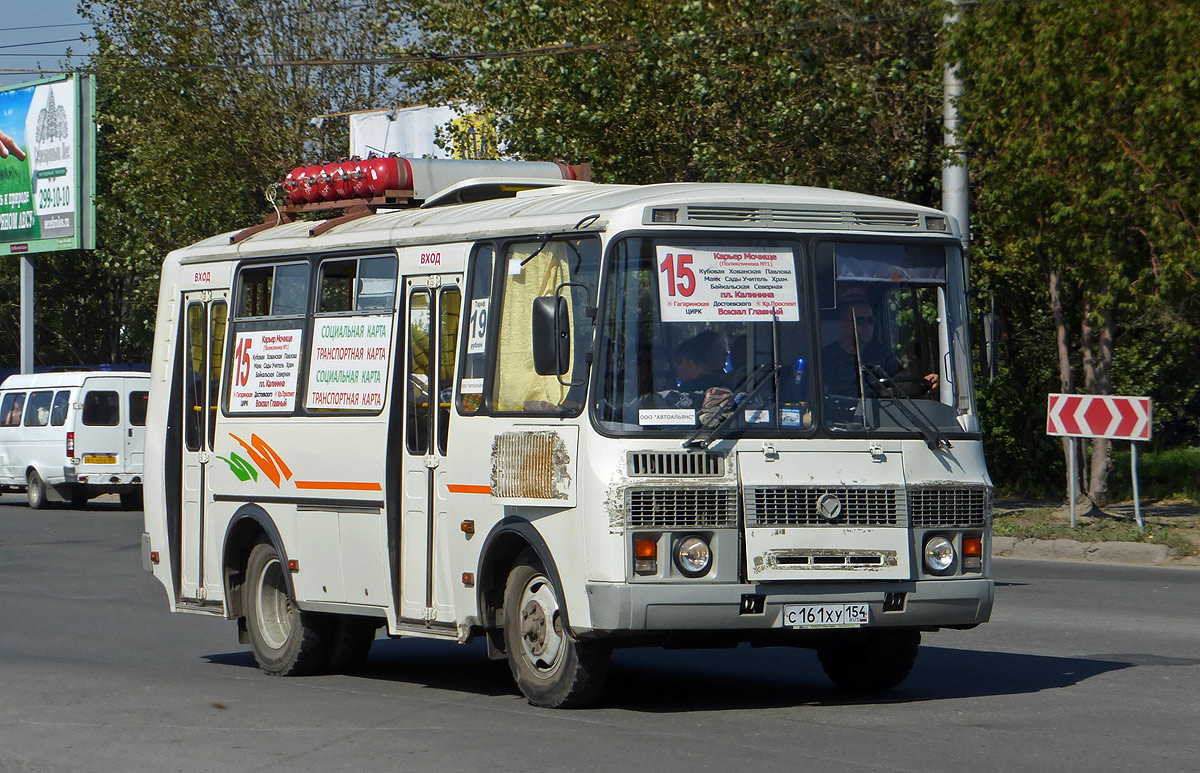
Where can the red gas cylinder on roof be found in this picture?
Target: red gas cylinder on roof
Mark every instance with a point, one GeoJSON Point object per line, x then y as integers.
{"type": "Point", "coordinates": [341, 179]}
{"type": "Point", "coordinates": [308, 184]}
{"type": "Point", "coordinates": [357, 181]}
{"type": "Point", "coordinates": [325, 181]}
{"type": "Point", "coordinates": [292, 184]}
{"type": "Point", "coordinates": [388, 174]}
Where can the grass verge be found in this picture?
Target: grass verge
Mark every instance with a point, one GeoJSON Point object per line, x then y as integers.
{"type": "Point", "coordinates": [1048, 523]}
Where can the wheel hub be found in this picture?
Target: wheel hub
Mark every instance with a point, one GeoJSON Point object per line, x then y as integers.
{"type": "Point", "coordinates": [541, 629]}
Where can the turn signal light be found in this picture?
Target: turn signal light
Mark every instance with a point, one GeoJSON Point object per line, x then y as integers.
{"type": "Point", "coordinates": [972, 548]}
{"type": "Point", "coordinates": [645, 554]}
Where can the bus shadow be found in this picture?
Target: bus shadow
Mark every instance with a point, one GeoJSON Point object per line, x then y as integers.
{"type": "Point", "coordinates": [434, 664]}
{"type": "Point", "coordinates": [671, 681]}
{"type": "Point", "coordinates": [777, 677]}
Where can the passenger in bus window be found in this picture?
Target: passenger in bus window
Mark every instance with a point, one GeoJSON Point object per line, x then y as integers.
{"type": "Point", "coordinates": [857, 343]}
{"type": "Point", "coordinates": [13, 417]}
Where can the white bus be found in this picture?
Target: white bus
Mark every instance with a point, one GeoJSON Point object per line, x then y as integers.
{"type": "Point", "coordinates": [574, 418]}
{"type": "Point", "coordinates": [73, 435]}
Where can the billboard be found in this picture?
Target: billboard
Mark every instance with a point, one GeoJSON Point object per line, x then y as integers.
{"type": "Point", "coordinates": [412, 132]}
{"type": "Point", "coordinates": [47, 166]}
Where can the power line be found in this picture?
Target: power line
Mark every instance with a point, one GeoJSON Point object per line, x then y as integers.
{"type": "Point", "coordinates": [50, 26]}
{"type": "Point", "coordinates": [43, 43]}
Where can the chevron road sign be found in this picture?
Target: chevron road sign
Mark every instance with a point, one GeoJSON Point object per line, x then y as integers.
{"type": "Point", "coordinates": [1099, 416]}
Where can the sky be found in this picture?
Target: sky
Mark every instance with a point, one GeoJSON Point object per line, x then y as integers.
{"type": "Point", "coordinates": [37, 32]}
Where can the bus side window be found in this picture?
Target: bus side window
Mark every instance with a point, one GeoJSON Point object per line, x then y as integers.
{"type": "Point", "coordinates": [474, 345]}
{"type": "Point", "coordinates": [336, 289]}
{"type": "Point", "coordinates": [58, 411]}
{"type": "Point", "coordinates": [535, 269]}
{"type": "Point", "coordinates": [416, 414]}
{"type": "Point", "coordinates": [193, 377]}
{"type": "Point", "coordinates": [219, 314]}
{"type": "Point", "coordinates": [449, 311]}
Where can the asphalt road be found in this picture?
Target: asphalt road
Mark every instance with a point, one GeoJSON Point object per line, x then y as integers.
{"type": "Point", "coordinates": [1084, 667]}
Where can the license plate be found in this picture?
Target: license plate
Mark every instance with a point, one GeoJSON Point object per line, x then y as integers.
{"type": "Point", "coordinates": [825, 615]}
{"type": "Point", "coordinates": [99, 459]}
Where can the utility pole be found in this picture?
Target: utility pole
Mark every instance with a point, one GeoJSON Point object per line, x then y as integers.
{"type": "Point", "coordinates": [26, 279]}
{"type": "Point", "coordinates": [955, 200]}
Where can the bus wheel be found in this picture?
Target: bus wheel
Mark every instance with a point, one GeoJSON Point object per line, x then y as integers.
{"type": "Point", "coordinates": [35, 488]}
{"type": "Point", "coordinates": [871, 660]}
{"type": "Point", "coordinates": [132, 500]}
{"type": "Point", "coordinates": [351, 641]}
{"type": "Point", "coordinates": [286, 641]}
{"type": "Point", "coordinates": [550, 668]}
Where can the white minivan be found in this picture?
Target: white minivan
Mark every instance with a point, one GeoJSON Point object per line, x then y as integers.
{"type": "Point", "coordinates": [73, 435]}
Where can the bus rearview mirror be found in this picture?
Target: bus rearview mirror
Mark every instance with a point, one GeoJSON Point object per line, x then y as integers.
{"type": "Point", "coordinates": [551, 335]}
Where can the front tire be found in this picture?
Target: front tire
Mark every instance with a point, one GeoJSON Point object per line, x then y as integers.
{"type": "Point", "coordinates": [873, 660]}
{"type": "Point", "coordinates": [35, 489]}
{"type": "Point", "coordinates": [550, 667]}
{"type": "Point", "coordinates": [286, 641]}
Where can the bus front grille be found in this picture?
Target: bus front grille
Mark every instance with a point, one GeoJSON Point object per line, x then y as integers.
{"type": "Point", "coordinates": [682, 464]}
{"type": "Point", "coordinates": [937, 507]}
{"type": "Point", "coordinates": [680, 508]}
{"type": "Point", "coordinates": [821, 506]}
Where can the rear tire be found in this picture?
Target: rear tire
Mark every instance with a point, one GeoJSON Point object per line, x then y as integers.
{"type": "Point", "coordinates": [286, 641]}
{"type": "Point", "coordinates": [350, 643]}
{"type": "Point", "coordinates": [551, 668]}
{"type": "Point", "coordinates": [132, 500]}
{"type": "Point", "coordinates": [35, 489]}
{"type": "Point", "coordinates": [872, 660]}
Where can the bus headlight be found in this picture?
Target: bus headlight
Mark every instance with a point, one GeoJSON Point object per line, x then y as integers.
{"type": "Point", "coordinates": [939, 553]}
{"type": "Point", "coordinates": [693, 556]}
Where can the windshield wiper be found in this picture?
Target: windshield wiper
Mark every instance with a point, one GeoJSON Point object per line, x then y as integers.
{"type": "Point", "coordinates": [882, 384]}
{"type": "Point", "coordinates": [720, 415]}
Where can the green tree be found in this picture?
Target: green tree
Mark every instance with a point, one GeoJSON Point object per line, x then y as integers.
{"type": "Point", "coordinates": [202, 105]}
{"type": "Point", "coordinates": [1082, 119]}
{"type": "Point", "coordinates": [738, 90]}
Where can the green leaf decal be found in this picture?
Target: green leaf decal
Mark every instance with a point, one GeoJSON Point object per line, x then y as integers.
{"type": "Point", "coordinates": [240, 467]}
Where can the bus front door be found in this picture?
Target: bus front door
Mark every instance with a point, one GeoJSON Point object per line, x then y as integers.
{"type": "Point", "coordinates": [205, 317]}
{"type": "Point", "coordinates": [433, 308]}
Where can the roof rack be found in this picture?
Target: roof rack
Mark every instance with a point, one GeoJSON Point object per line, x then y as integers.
{"type": "Point", "coordinates": [426, 182]}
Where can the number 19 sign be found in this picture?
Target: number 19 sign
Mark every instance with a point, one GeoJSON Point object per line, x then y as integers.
{"type": "Point", "coordinates": [727, 284]}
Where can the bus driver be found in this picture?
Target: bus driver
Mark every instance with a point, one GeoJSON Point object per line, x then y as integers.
{"type": "Point", "coordinates": [855, 344]}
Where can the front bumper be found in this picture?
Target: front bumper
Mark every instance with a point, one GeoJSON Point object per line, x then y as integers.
{"type": "Point", "coordinates": [620, 607]}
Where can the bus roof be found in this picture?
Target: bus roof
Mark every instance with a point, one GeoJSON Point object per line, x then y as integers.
{"type": "Point", "coordinates": [591, 206]}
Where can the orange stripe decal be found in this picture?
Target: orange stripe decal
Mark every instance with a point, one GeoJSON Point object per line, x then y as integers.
{"type": "Point", "coordinates": [464, 488]}
{"type": "Point", "coordinates": [337, 485]}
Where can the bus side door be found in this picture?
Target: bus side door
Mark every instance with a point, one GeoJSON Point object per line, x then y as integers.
{"type": "Point", "coordinates": [433, 309]}
{"type": "Point", "coordinates": [204, 325]}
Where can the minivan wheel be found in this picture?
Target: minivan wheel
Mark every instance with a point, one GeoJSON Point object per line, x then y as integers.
{"type": "Point", "coordinates": [35, 488]}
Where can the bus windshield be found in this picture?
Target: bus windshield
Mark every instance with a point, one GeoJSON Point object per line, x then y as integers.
{"type": "Point", "coordinates": [704, 330]}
